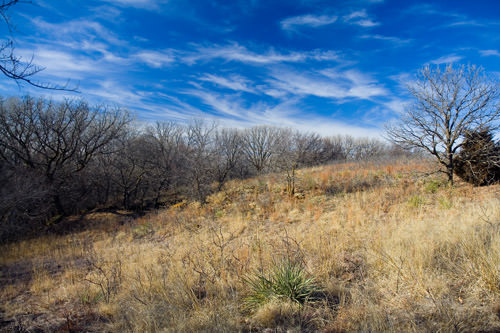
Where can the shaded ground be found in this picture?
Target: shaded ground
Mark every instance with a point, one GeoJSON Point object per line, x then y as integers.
{"type": "Point", "coordinates": [65, 318]}
{"type": "Point", "coordinates": [35, 314]}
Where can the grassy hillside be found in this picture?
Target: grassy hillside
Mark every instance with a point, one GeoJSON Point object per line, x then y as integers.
{"type": "Point", "coordinates": [359, 247]}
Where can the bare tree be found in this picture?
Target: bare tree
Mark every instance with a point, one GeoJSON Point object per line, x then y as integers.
{"type": "Point", "coordinates": [200, 156]}
{"type": "Point", "coordinates": [310, 148]}
{"type": "Point", "coordinates": [165, 145]}
{"type": "Point", "coordinates": [228, 150]}
{"type": "Point", "coordinates": [448, 102]}
{"type": "Point", "coordinates": [344, 146]}
{"type": "Point", "coordinates": [15, 67]}
{"type": "Point", "coordinates": [332, 149]}
{"type": "Point", "coordinates": [286, 156]}
{"type": "Point", "coordinates": [368, 149]}
{"type": "Point", "coordinates": [129, 166]}
{"type": "Point", "coordinates": [294, 150]}
{"type": "Point", "coordinates": [259, 145]}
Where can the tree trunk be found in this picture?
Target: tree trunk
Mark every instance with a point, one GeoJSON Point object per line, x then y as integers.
{"type": "Point", "coordinates": [58, 204]}
{"type": "Point", "coordinates": [451, 169]}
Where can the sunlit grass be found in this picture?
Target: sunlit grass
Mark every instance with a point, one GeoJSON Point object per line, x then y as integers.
{"type": "Point", "coordinates": [391, 248]}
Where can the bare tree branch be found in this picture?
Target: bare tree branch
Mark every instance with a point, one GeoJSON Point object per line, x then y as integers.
{"type": "Point", "coordinates": [15, 67]}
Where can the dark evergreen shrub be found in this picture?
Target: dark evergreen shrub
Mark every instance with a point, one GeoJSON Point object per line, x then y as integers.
{"type": "Point", "coordinates": [478, 162]}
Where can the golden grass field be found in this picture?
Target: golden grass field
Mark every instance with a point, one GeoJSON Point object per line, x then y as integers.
{"type": "Point", "coordinates": [389, 245]}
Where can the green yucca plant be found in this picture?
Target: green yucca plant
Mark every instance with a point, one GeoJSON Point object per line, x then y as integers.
{"type": "Point", "coordinates": [288, 280]}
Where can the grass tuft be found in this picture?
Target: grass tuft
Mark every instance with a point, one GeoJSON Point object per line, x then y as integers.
{"type": "Point", "coordinates": [288, 281]}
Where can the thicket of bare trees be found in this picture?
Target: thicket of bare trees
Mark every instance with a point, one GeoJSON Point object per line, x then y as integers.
{"type": "Point", "coordinates": [47, 152]}
{"type": "Point", "coordinates": [63, 158]}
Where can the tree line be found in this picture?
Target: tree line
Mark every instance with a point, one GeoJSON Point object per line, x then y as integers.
{"type": "Point", "coordinates": [62, 158]}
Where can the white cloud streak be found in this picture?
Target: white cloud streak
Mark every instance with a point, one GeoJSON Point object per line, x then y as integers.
{"type": "Point", "coordinates": [231, 112]}
{"type": "Point", "coordinates": [360, 18]}
{"type": "Point", "coordinates": [328, 84]}
{"type": "Point", "coordinates": [396, 105]}
{"type": "Point", "coordinates": [236, 52]}
{"type": "Point", "coordinates": [156, 59]}
{"type": "Point", "coordinates": [393, 40]}
{"type": "Point", "coordinates": [76, 29]}
{"type": "Point", "coordinates": [233, 82]}
{"type": "Point", "coordinates": [466, 23]}
{"type": "Point", "coordinates": [59, 63]}
{"type": "Point", "coordinates": [486, 53]}
{"type": "Point", "coordinates": [309, 20]}
{"type": "Point", "coordinates": [448, 59]}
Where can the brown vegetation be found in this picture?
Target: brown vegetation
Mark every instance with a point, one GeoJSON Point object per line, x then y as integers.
{"type": "Point", "coordinates": [389, 247]}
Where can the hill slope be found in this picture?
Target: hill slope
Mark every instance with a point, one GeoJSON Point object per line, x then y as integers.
{"type": "Point", "coordinates": [382, 246]}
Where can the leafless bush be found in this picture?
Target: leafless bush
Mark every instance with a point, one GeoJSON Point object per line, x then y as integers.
{"type": "Point", "coordinates": [105, 274]}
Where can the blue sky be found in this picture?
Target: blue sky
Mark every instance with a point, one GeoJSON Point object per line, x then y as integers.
{"type": "Point", "coordinates": [333, 67]}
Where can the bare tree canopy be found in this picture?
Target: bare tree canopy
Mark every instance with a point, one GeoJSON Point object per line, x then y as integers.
{"type": "Point", "coordinates": [259, 144]}
{"type": "Point", "coordinates": [447, 102]}
{"type": "Point", "coordinates": [15, 67]}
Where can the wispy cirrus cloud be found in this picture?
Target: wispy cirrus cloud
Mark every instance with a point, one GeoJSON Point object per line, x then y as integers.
{"type": "Point", "coordinates": [233, 82]}
{"type": "Point", "coordinates": [431, 9]}
{"type": "Point", "coordinates": [63, 64]}
{"type": "Point", "coordinates": [393, 40]}
{"type": "Point", "coordinates": [452, 18]}
{"type": "Point", "coordinates": [328, 83]}
{"type": "Point", "coordinates": [156, 59]}
{"type": "Point", "coordinates": [237, 52]}
{"type": "Point", "coordinates": [466, 23]}
{"type": "Point", "coordinates": [119, 93]}
{"type": "Point", "coordinates": [79, 41]}
{"type": "Point", "coordinates": [308, 20]}
{"type": "Point", "coordinates": [285, 82]}
{"type": "Point", "coordinates": [83, 44]}
{"type": "Point", "coordinates": [360, 18]}
{"type": "Point", "coordinates": [447, 59]}
{"type": "Point", "coordinates": [396, 105]}
{"type": "Point", "coordinates": [486, 53]}
{"type": "Point", "coordinates": [223, 105]}
{"type": "Point", "coordinates": [75, 30]}
{"type": "Point", "coordinates": [232, 52]}
{"type": "Point", "coordinates": [232, 111]}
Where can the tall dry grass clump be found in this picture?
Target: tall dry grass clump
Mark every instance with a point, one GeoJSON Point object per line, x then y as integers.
{"type": "Point", "coordinates": [359, 247]}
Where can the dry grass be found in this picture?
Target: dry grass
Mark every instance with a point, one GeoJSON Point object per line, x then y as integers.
{"type": "Point", "coordinates": [392, 249]}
